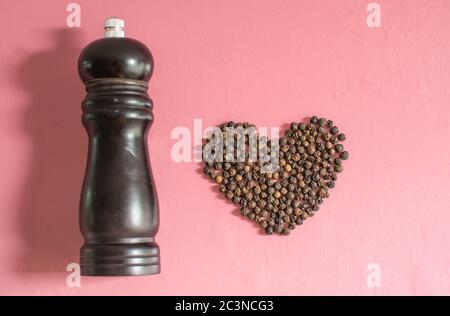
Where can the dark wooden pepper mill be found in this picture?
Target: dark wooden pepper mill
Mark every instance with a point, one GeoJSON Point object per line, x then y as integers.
{"type": "Point", "coordinates": [119, 214]}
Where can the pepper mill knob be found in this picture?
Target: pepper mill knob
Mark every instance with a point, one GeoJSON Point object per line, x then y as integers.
{"type": "Point", "coordinates": [114, 27]}
{"type": "Point", "coordinates": [119, 213]}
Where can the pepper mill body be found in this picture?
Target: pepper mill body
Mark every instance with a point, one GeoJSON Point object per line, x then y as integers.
{"type": "Point", "coordinates": [119, 213]}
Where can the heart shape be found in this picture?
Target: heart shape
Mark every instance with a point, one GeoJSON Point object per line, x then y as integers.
{"type": "Point", "coordinates": [277, 183]}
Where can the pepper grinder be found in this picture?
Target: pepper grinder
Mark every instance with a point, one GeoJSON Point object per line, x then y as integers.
{"type": "Point", "coordinates": [119, 214]}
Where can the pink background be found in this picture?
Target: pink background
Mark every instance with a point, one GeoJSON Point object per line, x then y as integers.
{"type": "Point", "coordinates": [268, 62]}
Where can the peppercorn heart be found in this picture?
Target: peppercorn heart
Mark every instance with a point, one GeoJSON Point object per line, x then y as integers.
{"type": "Point", "coordinates": [310, 156]}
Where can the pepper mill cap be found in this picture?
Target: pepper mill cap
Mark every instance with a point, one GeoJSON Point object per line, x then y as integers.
{"type": "Point", "coordinates": [115, 56]}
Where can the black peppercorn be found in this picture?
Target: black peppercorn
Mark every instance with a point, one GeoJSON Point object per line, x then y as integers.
{"type": "Point", "coordinates": [269, 230]}
{"type": "Point", "coordinates": [339, 148]}
{"type": "Point", "coordinates": [344, 155]}
{"type": "Point", "coordinates": [334, 130]}
{"type": "Point", "coordinates": [278, 229]}
{"type": "Point", "coordinates": [285, 231]}
{"type": "Point", "coordinates": [341, 137]}
{"type": "Point", "coordinates": [279, 221]}
{"type": "Point", "coordinates": [244, 211]}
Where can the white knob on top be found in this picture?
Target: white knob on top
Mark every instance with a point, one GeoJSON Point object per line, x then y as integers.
{"type": "Point", "coordinates": [114, 27]}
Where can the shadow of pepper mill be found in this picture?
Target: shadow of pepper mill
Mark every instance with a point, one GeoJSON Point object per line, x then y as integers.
{"type": "Point", "coordinates": [119, 214]}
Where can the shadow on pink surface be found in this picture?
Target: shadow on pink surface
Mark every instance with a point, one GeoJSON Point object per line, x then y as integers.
{"type": "Point", "coordinates": [49, 203]}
